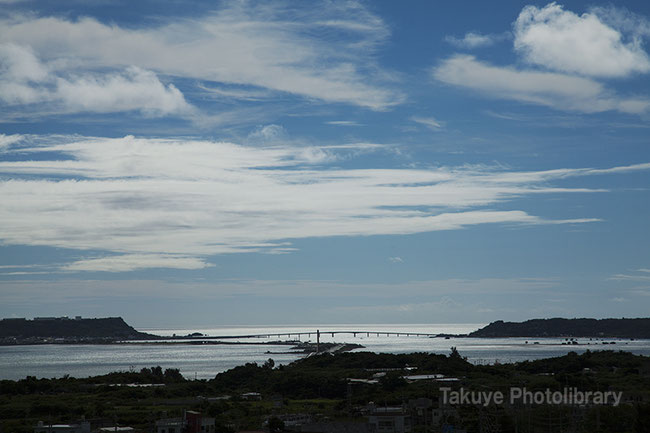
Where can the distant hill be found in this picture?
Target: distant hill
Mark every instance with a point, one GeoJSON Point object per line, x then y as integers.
{"type": "Point", "coordinates": [622, 328]}
{"type": "Point", "coordinates": [104, 328]}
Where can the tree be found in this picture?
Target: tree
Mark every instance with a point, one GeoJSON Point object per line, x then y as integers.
{"type": "Point", "coordinates": [276, 425]}
{"type": "Point", "coordinates": [173, 375]}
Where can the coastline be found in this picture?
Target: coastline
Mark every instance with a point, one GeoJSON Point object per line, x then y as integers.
{"type": "Point", "coordinates": [341, 387]}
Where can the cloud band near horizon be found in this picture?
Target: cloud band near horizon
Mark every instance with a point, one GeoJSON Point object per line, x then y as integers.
{"type": "Point", "coordinates": [173, 203]}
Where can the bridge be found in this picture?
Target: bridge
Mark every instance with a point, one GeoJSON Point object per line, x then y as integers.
{"type": "Point", "coordinates": [316, 333]}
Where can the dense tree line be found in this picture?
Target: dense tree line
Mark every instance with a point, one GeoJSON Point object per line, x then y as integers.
{"type": "Point", "coordinates": [320, 382]}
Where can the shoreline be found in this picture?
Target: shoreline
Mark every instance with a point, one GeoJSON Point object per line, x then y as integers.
{"type": "Point", "coordinates": [306, 355]}
{"type": "Point", "coordinates": [207, 340]}
{"type": "Point", "coordinates": [208, 360]}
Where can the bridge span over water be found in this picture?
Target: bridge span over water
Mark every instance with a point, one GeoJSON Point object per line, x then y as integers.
{"type": "Point", "coordinates": [318, 333]}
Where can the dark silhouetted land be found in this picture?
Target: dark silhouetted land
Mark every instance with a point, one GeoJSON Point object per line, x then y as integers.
{"type": "Point", "coordinates": [42, 330]}
{"type": "Point", "coordinates": [615, 328]}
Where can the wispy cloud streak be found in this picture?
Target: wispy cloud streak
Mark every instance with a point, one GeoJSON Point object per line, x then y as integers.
{"type": "Point", "coordinates": [171, 203]}
{"type": "Point", "coordinates": [553, 89]}
{"type": "Point", "coordinates": [279, 47]}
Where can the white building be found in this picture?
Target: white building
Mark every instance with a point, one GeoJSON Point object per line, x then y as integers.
{"type": "Point", "coordinates": [115, 429]}
{"type": "Point", "coordinates": [170, 425]}
{"type": "Point", "coordinates": [82, 427]}
{"type": "Point", "coordinates": [389, 420]}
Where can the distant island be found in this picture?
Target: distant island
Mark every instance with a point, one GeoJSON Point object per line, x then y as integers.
{"type": "Point", "coordinates": [42, 330]}
{"type": "Point", "coordinates": [114, 330]}
{"type": "Point", "coordinates": [557, 327]}
{"type": "Point", "coordinates": [110, 330]}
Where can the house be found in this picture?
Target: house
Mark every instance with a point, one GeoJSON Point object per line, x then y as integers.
{"type": "Point", "coordinates": [170, 425]}
{"type": "Point", "coordinates": [115, 429]}
{"type": "Point", "coordinates": [337, 427]}
{"type": "Point", "coordinates": [292, 420]}
{"type": "Point", "coordinates": [81, 427]}
{"type": "Point", "coordinates": [190, 422]}
{"type": "Point", "coordinates": [196, 423]}
{"type": "Point", "coordinates": [390, 419]}
{"type": "Point", "coordinates": [420, 410]}
{"type": "Point", "coordinates": [251, 396]}
{"type": "Point", "coordinates": [442, 414]}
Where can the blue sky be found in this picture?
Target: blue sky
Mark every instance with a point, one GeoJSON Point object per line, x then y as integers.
{"type": "Point", "coordinates": [210, 163]}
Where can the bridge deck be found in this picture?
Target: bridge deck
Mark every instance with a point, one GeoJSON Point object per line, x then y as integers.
{"type": "Point", "coordinates": [315, 333]}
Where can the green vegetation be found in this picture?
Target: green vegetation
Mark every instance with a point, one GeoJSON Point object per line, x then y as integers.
{"type": "Point", "coordinates": [318, 385]}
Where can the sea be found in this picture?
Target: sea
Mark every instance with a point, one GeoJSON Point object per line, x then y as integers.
{"type": "Point", "coordinates": [205, 361]}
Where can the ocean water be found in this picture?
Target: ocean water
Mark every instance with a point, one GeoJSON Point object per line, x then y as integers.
{"type": "Point", "coordinates": [205, 361]}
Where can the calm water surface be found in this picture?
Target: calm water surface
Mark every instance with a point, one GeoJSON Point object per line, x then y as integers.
{"type": "Point", "coordinates": [205, 361]}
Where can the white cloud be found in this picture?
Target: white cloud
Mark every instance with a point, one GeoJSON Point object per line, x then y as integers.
{"type": "Point", "coordinates": [560, 91]}
{"type": "Point", "coordinates": [7, 140]}
{"type": "Point", "coordinates": [223, 92]}
{"type": "Point", "coordinates": [130, 262]}
{"type": "Point", "coordinates": [135, 89]}
{"type": "Point", "coordinates": [20, 64]}
{"type": "Point", "coordinates": [175, 202]}
{"type": "Point", "coordinates": [19, 68]}
{"type": "Point", "coordinates": [582, 44]}
{"type": "Point", "coordinates": [267, 134]}
{"type": "Point", "coordinates": [24, 79]}
{"type": "Point", "coordinates": [625, 21]}
{"type": "Point", "coordinates": [627, 277]}
{"type": "Point", "coordinates": [640, 275]}
{"type": "Point", "coordinates": [280, 47]}
{"type": "Point", "coordinates": [430, 122]}
{"type": "Point", "coordinates": [572, 51]}
{"type": "Point", "coordinates": [475, 40]}
{"type": "Point", "coordinates": [343, 123]}
{"type": "Point", "coordinates": [395, 260]}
